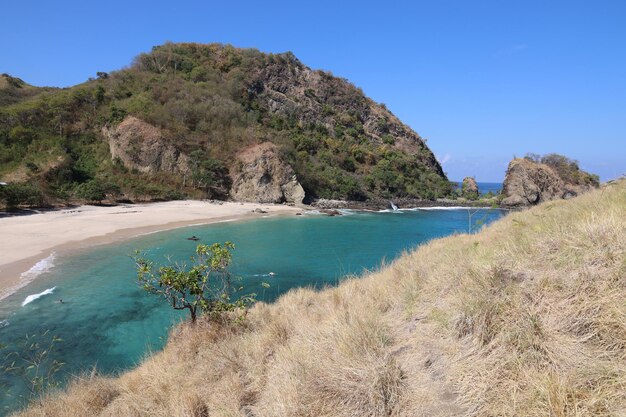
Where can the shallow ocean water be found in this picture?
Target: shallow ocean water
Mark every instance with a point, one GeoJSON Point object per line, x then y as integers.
{"type": "Point", "coordinates": [106, 321]}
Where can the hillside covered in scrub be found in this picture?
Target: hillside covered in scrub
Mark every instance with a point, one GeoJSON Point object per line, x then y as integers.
{"type": "Point", "coordinates": [181, 120]}
{"type": "Point", "coordinates": [525, 318]}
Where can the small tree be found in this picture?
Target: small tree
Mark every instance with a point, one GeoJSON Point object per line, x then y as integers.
{"type": "Point", "coordinates": [34, 361]}
{"type": "Point", "coordinates": [481, 221]}
{"type": "Point", "coordinates": [209, 175]}
{"type": "Point", "coordinates": [470, 214]}
{"type": "Point", "coordinates": [205, 287]}
{"type": "Point", "coordinates": [92, 190]}
{"type": "Point", "coordinates": [95, 190]}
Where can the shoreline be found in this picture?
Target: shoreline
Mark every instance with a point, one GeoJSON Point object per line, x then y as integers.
{"type": "Point", "coordinates": [402, 203]}
{"type": "Point", "coordinates": [29, 239]}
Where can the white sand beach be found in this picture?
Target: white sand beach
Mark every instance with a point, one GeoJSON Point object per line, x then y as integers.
{"type": "Point", "coordinates": [27, 239]}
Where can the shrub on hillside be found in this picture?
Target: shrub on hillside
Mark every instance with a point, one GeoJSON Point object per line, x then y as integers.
{"type": "Point", "coordinates": [15, 195]}
{"type": "Point", "coordinates": [95, 190]}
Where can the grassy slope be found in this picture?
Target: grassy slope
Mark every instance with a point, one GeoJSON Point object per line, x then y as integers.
{"type": "Point", "coordinates": [525, 318]}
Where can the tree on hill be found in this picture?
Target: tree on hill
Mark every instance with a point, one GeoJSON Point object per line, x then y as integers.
{"type": "Point", "coordinates": [95, 190]}
{"type": "Point", "coordinates": [209, 175]}
{"type": "Point", "coordinates": [91, 191]}
{"type": "Point", "coordinates": [205, 287]}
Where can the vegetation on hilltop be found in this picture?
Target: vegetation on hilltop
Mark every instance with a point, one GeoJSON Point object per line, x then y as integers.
{"type": "Point", "coordinates": [525, 318]}
{"type": "Point", "coordinates": [212, 101]}
{"type": "Point", "coordinates": [13, 89]}
{"type": "Point", "coordinates": [567, 169]}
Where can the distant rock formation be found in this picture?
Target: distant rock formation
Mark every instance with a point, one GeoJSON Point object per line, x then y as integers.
{"type": "Point", "coordinates": [263, 177]}
{"type": "Point", "coordinates": [530, 181]}
{"type": "Point", "coordinates": [469, 188]}
{"type": "Point", "coordinates": [141, 146]}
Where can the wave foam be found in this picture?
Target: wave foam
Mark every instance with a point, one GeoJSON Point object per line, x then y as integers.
{"type": "Point", "coordinates": [33, 297]}
{"type": "Point", "coordinates": [446, 208]}
{"type": "Point", "coordinates": [44, 265]}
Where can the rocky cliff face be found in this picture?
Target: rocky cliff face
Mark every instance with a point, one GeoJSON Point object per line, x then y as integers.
{"type": "Point", "coordinates": [143, 147]}
{"type": "Point", "coordinates": [262, 176]}
{"type": "Point", "coordinates": [528, 183]}
{"type": "Point", "coordinates": [259, 174]}
{"type": "Point", "coordinates": [317, 97]}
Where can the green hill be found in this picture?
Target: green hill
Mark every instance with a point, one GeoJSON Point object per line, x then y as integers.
{"type": "Point", "coordinates": [204, 105]}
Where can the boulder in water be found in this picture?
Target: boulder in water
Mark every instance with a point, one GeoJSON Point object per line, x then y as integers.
{"type": "Point", "coordinates": [469, 188]}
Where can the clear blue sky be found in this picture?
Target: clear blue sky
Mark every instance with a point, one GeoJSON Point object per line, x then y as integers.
{"type": "Point", "coordinates": [481, 80]}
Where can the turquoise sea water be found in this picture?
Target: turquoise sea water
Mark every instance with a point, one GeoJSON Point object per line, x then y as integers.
{"type": "Point", "coordinates": [106, 321]}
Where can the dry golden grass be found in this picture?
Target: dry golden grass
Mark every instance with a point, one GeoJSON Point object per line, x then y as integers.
{"type": "Point", "coordinates": [525, 318]}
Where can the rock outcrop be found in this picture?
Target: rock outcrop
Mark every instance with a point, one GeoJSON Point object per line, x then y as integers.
{"type": "Point", "coordinates": [142, 146]}
{"type": "Point", "coordinates": [263, 177]}
{"type": "Point", "coordinates": [469, 188]}
{"type": "Point", "coordinates": [529, 182]}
